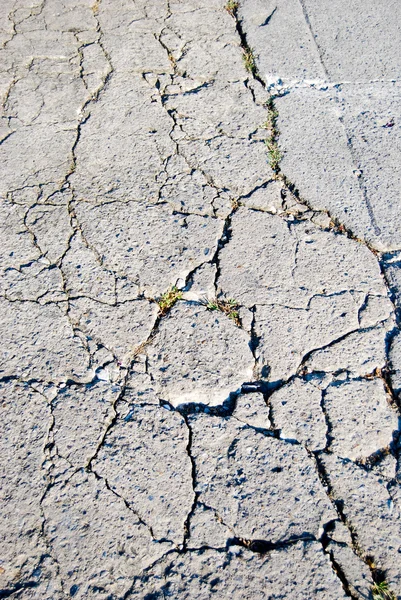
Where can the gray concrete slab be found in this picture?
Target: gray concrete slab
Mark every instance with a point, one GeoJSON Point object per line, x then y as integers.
{"type": "Point", "coordinates": [339, 127]}
{"type": "Point", "coordinates": [200, 289]}
{"type": "Point", "coordinates": [356, 40]}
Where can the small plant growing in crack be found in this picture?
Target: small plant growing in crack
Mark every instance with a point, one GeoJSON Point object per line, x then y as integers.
{"type": "Point", "coordinates": [274, 154]}
{"type": "Point", "coordinates": [168, 299]}
{"type": "Point", "coordinates": [232, 7]}
{"type": "Point", "coordinates": [227, 306]}
{"type": "Point", "coordinates": [271, 141]}
{"type": "Point", "coordinates": [249, 60]}
{"type": "Point", "coordinates": [172, 60]}
{"type": "Point", "coordinates": [381, 591]}
{"type": "Point", "coordinates": [235, 204]}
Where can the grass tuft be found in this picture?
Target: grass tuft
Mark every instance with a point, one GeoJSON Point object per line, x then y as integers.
{"type": "Point", "coordinates": [235, 204]}
{"type": "Point", "coordinates": [274, 155]}
{"type": "Point", "coordinates": [271, 141]}
{"type": "Point", "coordinates": [381, 591]}
{"type": "Point", "coordinates": [168, 299]}
{"type": "Point", "coordinates": [248, 57]}
{"type": "Point", "coordinates": [272, 115]}
{"type": "Point", "coordinates": [232, 7]}
{"type": "Point", "coordinates": [227, 306]}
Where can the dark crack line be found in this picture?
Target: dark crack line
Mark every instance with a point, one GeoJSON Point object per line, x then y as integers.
{"type": "Point", "coordinates": [265, 546]}
{"type": "Point", "coordinates": [187, 523]}
{"type": "Point", "coordinates": [361, 182]}
{"type": "Point", "coordinates": [314, 38]}
{"type": "Point", "coordinates": [324, 477]}
{"type": "Point", "coordinates": [339, 571]}
{"type": "Point", "coordinates": [269, 18]}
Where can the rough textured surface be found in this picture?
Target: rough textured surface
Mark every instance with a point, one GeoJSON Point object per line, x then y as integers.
{"type": "Point", "coordinates": [200, 294]}
{"type": "Point", "coordinates": [370, 512]}
{"type": "Point", "coordinates": [121, 235]}
{"type": "Point", "coordinates": [361, 420]}
{"type": "Point", "coordinates": [252, 410]}
{"type": "Point", "coordinates": [90, 558]}
{"type": "Point", "coordinates": [310, 287]}
{"type": "Point", "coordinates": [230, 464]}
{"type": "Point", "coordinates": [77, 439]}
{"type": "Point", "coordinates": [336, 77]}
{"type": "Point", "coordinates": [279, 574]}
{"type": "Point", "coordinates": [349, 151]}
{"type": "Point", "coordinates": [190, 376]}
{"type": "Point", "coordinates": [355, 571]}
{"type": "Point", "coordinates": [51, 351]}
{"type": "Point", "coordinates": [359, 353]}
{"type": "Point", "coordinates": [297, 412]}
{"type": "Point", "coordinates": [24, 425]}
{"type": "Point", "coordinates": [144, 458]}
{"type": "Point", "coordinates": [207, 529]}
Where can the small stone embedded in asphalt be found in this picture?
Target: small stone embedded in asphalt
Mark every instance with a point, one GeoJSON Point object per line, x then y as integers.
{"type": "Point", "coordinates": [250, 388]}
{"type": "Point", "coordinates": [200, 281]}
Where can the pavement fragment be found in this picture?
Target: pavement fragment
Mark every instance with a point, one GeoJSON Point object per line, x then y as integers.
{"type": "Point", "coordinates": [252, 409]}
{"type": "Point", "coordinates": [370, 512]}
{"type": "Point", "coordinates": [301, 568]}
{"type": "Point", "coordinates": [297, 412]}
{"type": "Point", "coordinates": [361, 418]}
{"type": "Point", "coordinates": [217, 358]}
{"type": "Point", "coordinates": [123, 234]}
{"type": "Point", "coordinates": [144, 460]}
{"type": "Point", "coordinates": [231, 461]}
{"type": "Point", "coordinates": [112, 545]}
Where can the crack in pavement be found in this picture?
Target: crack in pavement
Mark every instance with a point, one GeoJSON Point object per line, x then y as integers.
{"type": "Point", "coordinates": [229, 441]}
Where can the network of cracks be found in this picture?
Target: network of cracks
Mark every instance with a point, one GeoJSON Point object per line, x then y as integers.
{"type": "Point", "coordinates": [200, 367]}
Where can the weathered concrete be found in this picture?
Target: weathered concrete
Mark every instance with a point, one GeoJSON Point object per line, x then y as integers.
{"type": "Point", "coordinates": [200, 289]}
{"type": "Point", "coordinates": [297, 411]}
{"type": "Point", "coordinates": [342, 156]}
{"type": "Point", "coordinates": [232, 461]}
{"type": "Point", "coordinates": [252, 410]}
{"type": "Point", "coordinates": [371, 513]}
{"type": "Point", "coordinates": [25, 421]}
{"type": "Point", "coordinates": [366, 425]}
{"type": "Point", "coordinates": [143, 459]}
{"type": "Point", "coordinates": [216, 361]}
{"type": "Point", "coordinates": [280, 573]}
{"type": "Point", "coordinates": [335, 73]}
{"type": "Point", "coordinates": [90, 555]}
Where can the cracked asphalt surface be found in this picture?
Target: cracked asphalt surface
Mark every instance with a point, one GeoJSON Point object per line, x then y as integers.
{"type": "Point", "coordinates": [200, 297]}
